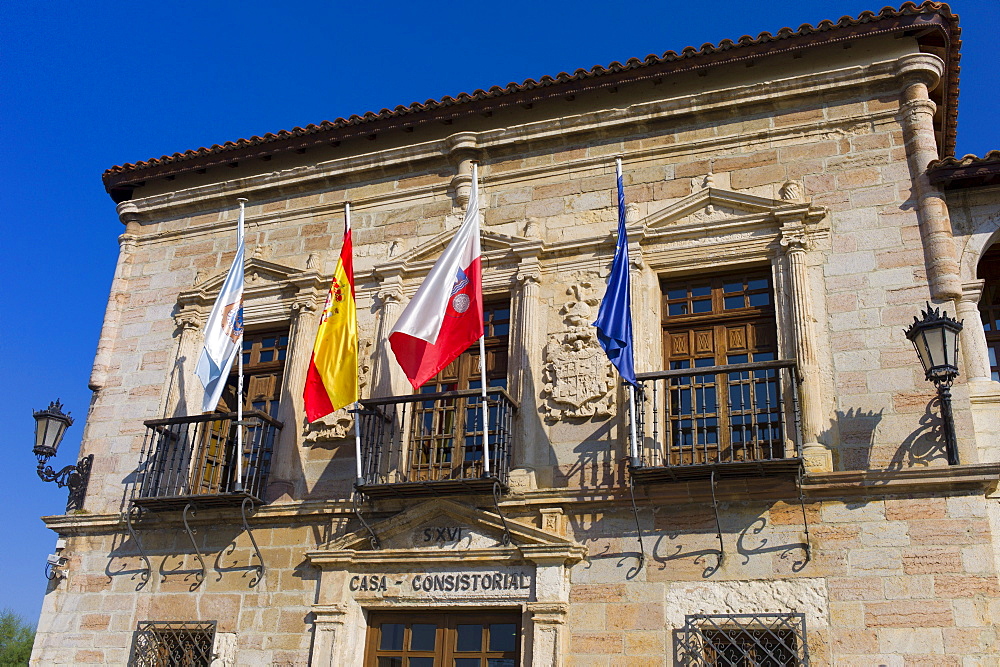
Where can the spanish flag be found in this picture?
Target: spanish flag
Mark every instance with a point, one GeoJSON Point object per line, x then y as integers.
{"type": "Point", "coordinates": [332, 380]}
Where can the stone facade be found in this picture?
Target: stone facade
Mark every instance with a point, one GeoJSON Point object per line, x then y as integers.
{"type": "Point", "coordinates": [806, 163]}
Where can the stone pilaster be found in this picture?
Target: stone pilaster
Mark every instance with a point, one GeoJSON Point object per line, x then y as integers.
{"type": "Point", "coordinates": [385, 381]}
{"type": "Point", "coordinates": [529, 337]}
{"type": "Point", "coordinates": [176, 401]}
{"type": "Point", "coordinates": [329, 635]}
{"type": "Point", "coordinates": [973, 340]}
{"type": "Point", "coordinates": [817, 457]}
{"type": "Point", "coordinates": [301, 335]}
{"type": "Point", "coordinates": [548, 621]}
{"type": "Point", "coordinates": [920, 73]}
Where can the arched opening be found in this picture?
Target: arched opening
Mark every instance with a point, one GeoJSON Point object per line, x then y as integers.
{"type": "Point", "coordinates": [989, 305]}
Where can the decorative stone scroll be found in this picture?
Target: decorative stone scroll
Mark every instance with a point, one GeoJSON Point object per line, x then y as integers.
{"type": "Point", "coordinates": [340, 424]}
{"type": "Point", "coordinates": [579, 380]}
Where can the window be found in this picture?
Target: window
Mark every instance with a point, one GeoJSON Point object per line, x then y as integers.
{"type": "Point", "coordinates": [437, 423]}
{"type": "Point", "coordinates": [263, 366]}
{"type": "Point", "coordinates": [744, 640]}
{"type": "Point", "coordinates": [989, 306]}
{"type": "Point", "coordinates": [421, 639]}
{"type": "Point", "coordinates": [736, 415]}
{"type": "Point", "coordinates": [170, 644]}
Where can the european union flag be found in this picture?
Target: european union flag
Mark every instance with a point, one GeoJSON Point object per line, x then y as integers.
{"type": "Point", "coordinates": [614, 318]}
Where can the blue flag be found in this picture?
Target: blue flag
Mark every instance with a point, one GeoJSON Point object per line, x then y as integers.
{"type": "Point", "coordinates": [614, 318]}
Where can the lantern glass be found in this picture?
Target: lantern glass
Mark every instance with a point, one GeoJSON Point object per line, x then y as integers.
{"type": "Point", "coordinates": [935, 338]}
{"type": "Point", "coordinates": [50, 425]}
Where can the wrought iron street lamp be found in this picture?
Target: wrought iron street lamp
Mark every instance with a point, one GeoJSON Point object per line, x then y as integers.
{"type": "Point", "coordinates": [50, 426]}
{"type": "Point", "coordinates": [935, 338]}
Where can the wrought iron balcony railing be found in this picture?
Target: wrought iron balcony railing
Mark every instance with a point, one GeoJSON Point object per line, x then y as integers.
{"type": "Point", "coordinates": [733, 419]}
{"type": "Point", "coordinates": [428, 444]}
{"type": "Point", "coordinates": [187, 458]}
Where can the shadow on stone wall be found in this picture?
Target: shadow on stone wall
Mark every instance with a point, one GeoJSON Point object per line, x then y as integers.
{"type": "Point", "coordinates": [925, 443]}
{"type": "Point", "coordinates": [682, 541]}
{"type": "Point", "coordinates": [855, 431]}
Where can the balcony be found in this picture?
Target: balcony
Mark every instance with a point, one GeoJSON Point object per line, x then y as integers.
{"type": "Point", "coordinates": [193, 460]}
{"type": "Point", "coordinates": [432, 444]}
{"type": "Point", "coordinates": [736, 420]}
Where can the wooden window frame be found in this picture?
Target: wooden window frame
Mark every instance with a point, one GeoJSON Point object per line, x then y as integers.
{"type": "Point", "coordinates": [434, 454]}
{"type": "Point", "coordinates": [447, 621]}
{"type": "Point", "coordinates": [718, 333]}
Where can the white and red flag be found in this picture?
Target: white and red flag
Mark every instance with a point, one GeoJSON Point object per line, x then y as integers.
{"type": "Point", "coordinates": [445, 316]}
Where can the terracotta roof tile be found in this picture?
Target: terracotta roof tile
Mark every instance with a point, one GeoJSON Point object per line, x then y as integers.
{"type": "Point", "coordinates": [125, 174]}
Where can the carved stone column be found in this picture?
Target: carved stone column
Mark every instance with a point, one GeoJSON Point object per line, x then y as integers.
{"type": "Point", "coordinates": [920, 73]}
{"type": "Point", "coordinates": [177, 402]}
{"type": "Point", "coordinates": [529, 339]}
{"type": "Point", "coordinates": [973, 341]}
{"type": "Point", "coordinates": [127, 212]}
{"type": "Point", "coordinates": [817, 457]}
{"type": "Point", "coordinates": [302, 333]}
{"type": "Point", "coordinates": [385, 380]}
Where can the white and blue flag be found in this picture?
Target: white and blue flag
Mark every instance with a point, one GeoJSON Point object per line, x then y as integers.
{"type": "Point", "coordinates": [224, 330]}
{"type": "Point", "coordinates": [614, 318]}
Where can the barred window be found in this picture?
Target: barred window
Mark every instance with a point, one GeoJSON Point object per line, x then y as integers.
{"type": "Point", "coordinates": [744, 640]}
{"type": "Point", "coordinates": [173, 644]}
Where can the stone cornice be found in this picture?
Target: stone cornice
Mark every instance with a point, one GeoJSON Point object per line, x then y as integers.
{"type": "Point", "coordinates": [329, 174]}
{"type": "Point", "coordinates": [831, 485]}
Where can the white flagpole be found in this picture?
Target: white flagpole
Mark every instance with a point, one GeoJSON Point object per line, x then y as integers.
{"type": "Point", "coordinates": [239, 359]}
{"type": "Point", "coordinates": [482, 352]}
{"type": "Point", "coordinates": [357, 406]}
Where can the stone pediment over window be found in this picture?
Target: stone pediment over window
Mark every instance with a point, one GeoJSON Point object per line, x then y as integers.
{"type": "Point", "coordinates": [715, 210]}
{"type": "Point", "coordinates": [271, 291]}
{"type": "Point", "coordinates": [445, 531]}
{"type": "Point", "coordinates": [498, 250]}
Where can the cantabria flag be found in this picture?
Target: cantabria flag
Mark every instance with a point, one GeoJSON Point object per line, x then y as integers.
{"type": "Point", "coordinates": [445, 316]}
{"type": "Point", "coordinates": [332, 379]}
{"type": "Point", "coordinates": [224, 330]}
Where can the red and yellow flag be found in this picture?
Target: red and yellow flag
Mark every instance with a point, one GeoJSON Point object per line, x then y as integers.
{"type": "Point", "coordinates": [332, 380]}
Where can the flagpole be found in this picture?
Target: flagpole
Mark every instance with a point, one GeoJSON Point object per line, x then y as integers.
{"type": "Point", "coordinates": [482, 353]}
{"type": "Point", "coordinates": [357, 407]}
{"type": "Point", "coordinates": [239, 360]}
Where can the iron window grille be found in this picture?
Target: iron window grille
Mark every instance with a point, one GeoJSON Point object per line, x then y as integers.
{"type": "Point", "coordinates": [744, 640]}
{"type": "Point", "coordinates": [173, 644]}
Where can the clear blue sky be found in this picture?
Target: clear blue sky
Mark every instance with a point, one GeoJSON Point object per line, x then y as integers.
{"type": "Point", "coordinates": [93, 84]}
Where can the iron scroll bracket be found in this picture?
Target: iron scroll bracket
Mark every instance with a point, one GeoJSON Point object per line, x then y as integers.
{"type": "Point", "coordinates": [638, 528]}
{"type": "Point", "coordinates": [246, 526]}
{"type": "Point", "coordinates": [802, 505]}
{"type": "Point", "coordinates": [507, 538]}
{"type": "Point", "coordinates": [372, 537]}
{"type": "Point", "coordinates": [146, 573]}
{"type": "Point", "coordinates": [199, 575]}
{"type": "Point", "coordinates": [718, 524]}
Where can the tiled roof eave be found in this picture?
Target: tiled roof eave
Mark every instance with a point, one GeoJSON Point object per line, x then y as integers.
{"type": "Point", "coordinates": [929, 15]}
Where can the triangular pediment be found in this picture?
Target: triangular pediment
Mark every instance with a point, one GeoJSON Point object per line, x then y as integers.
{"type": "Point", "coordinates": [494, 245]}
{"type": "Point", "coordinates": [441, 525]}
{"type": "Point", "coordinates": [715, 205]}
{"type": "Point", "coordinates": [256, 270]}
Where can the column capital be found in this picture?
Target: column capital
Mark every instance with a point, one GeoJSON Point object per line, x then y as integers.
{"type": "Point", "coordinates": [917, 68]}
{"type": "Point", "coordinates": [529, 272]}
{"type": "Point", "coordinates": [972, 291]}
{"type": "Point", "coordinates": [793, 238]}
